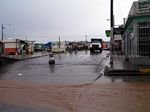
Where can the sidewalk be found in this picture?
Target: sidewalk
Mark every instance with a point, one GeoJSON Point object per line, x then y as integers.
{"type": "Point", "coordinates": [24, 57]}
{"type": "Point", "coordinates": [122, 67]}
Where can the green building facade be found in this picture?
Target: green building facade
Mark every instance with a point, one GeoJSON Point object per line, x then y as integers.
{"type": "Point", "coordinates": [137, 33]}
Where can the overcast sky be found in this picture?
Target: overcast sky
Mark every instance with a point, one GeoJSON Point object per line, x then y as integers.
{"type": "Point", "coordinates": [45, 20]}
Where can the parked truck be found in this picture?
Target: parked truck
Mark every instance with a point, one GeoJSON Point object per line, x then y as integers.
{"type": "Point", "coordinates": [96, 45]}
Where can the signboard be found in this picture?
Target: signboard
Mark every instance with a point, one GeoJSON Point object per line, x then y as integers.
{"type": "Point", "coordinates": [143, 6]}
{"type": "Point", "coordinates": [108, 33]}
{"type": "Point", "coordinates": [118, 31]}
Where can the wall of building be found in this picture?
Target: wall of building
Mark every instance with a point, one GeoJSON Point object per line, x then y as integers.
{"type": "Point", "coordinates": [1, 48]}
{"type": "Point", "coordinates": [58, 47]}
{"type": "Point", "coordinates": [135, 48]}
{"type": "Point", "coordinates": [137, 33]}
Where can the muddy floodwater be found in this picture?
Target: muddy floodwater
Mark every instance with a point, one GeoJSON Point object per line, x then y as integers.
{"type": "Point", "coordinates": [71, 85]}
{"type": "Point", "coordinates": [116, 97]}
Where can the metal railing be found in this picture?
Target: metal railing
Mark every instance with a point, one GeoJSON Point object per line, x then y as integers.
{"type": "Point", "coordinates": [144, 39]}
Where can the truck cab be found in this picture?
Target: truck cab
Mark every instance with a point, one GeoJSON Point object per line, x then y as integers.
{"type": "Point", "coordinates": [96, 45]}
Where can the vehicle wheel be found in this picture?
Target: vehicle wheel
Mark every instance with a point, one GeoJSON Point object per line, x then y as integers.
{"type": "Point", "coordinates": [100, 50]}
{"type": "Point", "coordinates": [91, 50]}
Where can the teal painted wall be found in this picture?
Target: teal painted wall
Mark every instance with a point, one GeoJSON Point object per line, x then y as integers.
{"type": "Point", "coordinates": [135, 19]}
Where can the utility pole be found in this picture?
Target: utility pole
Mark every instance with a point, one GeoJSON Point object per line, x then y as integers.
{"type": "Point", "coordinates": [112, 29]}
{"type": "Point", "coordinates": [26, 38]}
{"type": "Point", "coordinates": [86, 38]}
{"type": "Point", "coordinates": [112, 14]}
{"type": "Point", "coordinates": [2, 32]}
{"type": "Point", "coordinates": [124, 21]}
{"type": "Point", "coordinates": [59, 42]}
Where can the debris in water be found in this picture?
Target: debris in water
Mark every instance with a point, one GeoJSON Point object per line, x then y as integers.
{"type": "Point", "coordinates": [20, 74]}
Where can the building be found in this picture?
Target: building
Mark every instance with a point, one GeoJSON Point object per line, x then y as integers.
{"type": "Point", "coordinates": [1, 47]}
{"type": "Point", "coordinates": [58, 46]}
{"type": "Point", "coordinates": [30, 47]}
{"type": "Point", "coordinates": [137, 33]}
{"type": "Point", "coordinates": [15, 46]}
{"type": "Point", "coordinates": [117, 42]}
{"type": "Point", "coordinates": [39, 47]}
{"type": "Point", "coordinates": [48, 46]}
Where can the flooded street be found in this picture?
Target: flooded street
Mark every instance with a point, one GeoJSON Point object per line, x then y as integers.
{"type": "Point", "coordinates": [74, 68]}
{"type": "Point", "coordinates": [70, 68]}
{"type": "Point", "coordinates": [71, 85]}
{"type": "Point", "coordinates": [75, 56]}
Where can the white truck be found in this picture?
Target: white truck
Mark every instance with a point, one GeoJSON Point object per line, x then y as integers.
{"type": "Point", "coordinates": [96, 45]}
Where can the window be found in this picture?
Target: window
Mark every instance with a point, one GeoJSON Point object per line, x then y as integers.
{"type": "Point", "coordinates": [144, 38]}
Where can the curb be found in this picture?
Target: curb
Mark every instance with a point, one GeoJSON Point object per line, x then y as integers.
{"type": "Point", "coordinates": [125, 72]}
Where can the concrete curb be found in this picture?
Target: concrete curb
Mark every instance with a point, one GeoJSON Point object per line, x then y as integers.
{"type": "Point", "coordinates": [24, 58]}
{"type": "Point", "coordinates": [6, 60]}
{"type": "Point", "coordinates": [124, 72]}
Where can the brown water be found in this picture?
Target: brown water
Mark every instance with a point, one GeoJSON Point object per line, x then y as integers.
{"type": "Point", "coordinates": [116, 97]}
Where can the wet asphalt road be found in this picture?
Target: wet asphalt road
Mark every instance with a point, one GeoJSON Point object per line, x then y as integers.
{"type": "Point", "coordinates": [13, 108]}
{"type": "Point", "coordinates": [71, 68]}
{"type": "Point", "coordinates": [75, 68]}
